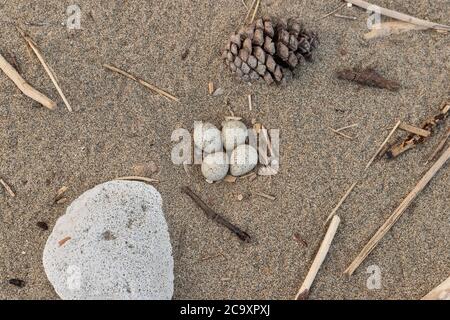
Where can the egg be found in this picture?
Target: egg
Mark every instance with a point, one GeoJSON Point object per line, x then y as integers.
{"type": "Point", "coordinates": [243, 159]}
{"type": "Point", "coordinates": [234, 133]}
{"type": "Point", "coordinates": [215, 166]}
{"type": "Point", "coordinates": [207, 137]}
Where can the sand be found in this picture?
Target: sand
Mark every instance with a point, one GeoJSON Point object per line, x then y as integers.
{"type": "Point", "coordinates": [118, 124]}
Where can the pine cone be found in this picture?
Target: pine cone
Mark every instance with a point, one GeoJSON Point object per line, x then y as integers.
{"type": "Point", "coordinates": [268, 50]}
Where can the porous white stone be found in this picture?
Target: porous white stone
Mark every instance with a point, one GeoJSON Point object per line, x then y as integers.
{"type": "Point", "coordinates": [234, 133]}
{"type": "Point", "coordinates": [215, 166]}
{"type": "Point", "coordinates": [207, 137]}
{"type": "Point", "coordinates": [112, 243]}
{"type": "Point", "coordinates": [243, 159]}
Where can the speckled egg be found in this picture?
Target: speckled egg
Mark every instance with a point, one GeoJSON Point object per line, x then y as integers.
{"type": "Point", "coordinates": [215, 166]}
{"type": "Point", "coordinates": [243, 159]}
{"type": "Point", "coordinates": [207, 137]}
{"type": "Point", "coordinates": [234, 133]}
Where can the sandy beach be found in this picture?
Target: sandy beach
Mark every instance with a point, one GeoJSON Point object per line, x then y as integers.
{"type": "Point", "coordinates": [118, 125]}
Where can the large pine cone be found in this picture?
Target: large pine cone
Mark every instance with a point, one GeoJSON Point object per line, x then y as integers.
{"type": "Point", "coordinates": [269, 50]}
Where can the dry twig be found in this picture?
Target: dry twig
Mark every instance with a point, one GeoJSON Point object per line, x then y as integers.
{"type": "Point", "coordinates": [137, 178]}
{"type": "Point", "coordinates": [210, 213]}
{"type": "Point", "coordinates": [319, 259]}
{"type": "Point", "coordinates": [23, 86]}
{"type": "Point", "coordinates": [414, 130]}
{"type": "Point", "coordinates": [334, 11]}
{"type": "Point", "coordinates": [399, 16]}
{"type": "Point", "coordinates": [383, 230]}
{"type": "Point", "coordinates": [383, 144]}
{"type": "Point", "coordinates": [165, 94]}
{"type": "Point", "coordinates": [413, 140]}
{"type": "Point", "coordinates": [264, 195]}
{"type": "Point", "coordinates": [7, 188]}
{"type": "Point", "coordinates": [47, 68]}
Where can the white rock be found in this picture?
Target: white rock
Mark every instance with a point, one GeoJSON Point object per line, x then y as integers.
{"type": "Point", "coordinates": [234, 133]}
{"type": "Point", "coordinates": [207, 137]}
{"type": "Point", "coordinates": [243, 159]}
{"type": "Point", "coordinates": [116, 245]}
{"type": "Point", "coordinates": [215, 166]}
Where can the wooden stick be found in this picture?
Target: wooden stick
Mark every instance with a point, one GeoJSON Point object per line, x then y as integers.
{"type": "Point", "coordinates": [7, 188]}
{"type": "Point", "coordinates": [412, 129]}
{"type": "Point", "coordinates": [441, 292]}
{"type": "Point", "coordinates": [137, 178]}
{"type": "Point", "coordinates": [383, 144]}
{"type": "Point", "coordinates": [400, 16]}
{"type": "Point", "coordinates": [334, 11]}
{"type": "Point", "coordinates": [23, 86]}
{"type": "Point", "coordinates": [142, 82]}
{"type": "Point", "coordinates": [210, 213]}
{"type": "Point", "coordinates": [341, 202]}
{"type": "Point", "coordinates": [319, 259]}
{"type": "Point", "coordinates": [264, 195]}
{"type": "Point", "coordinates": [250, 104]}
{"type": "Point", "coordinates": [344, 16]}
{"type": "Point", "coordinates": [47, 69]}
{"type": "Point", "coordinates": [340, 133]}
{"type": "Point", "coordinates": [397, 213]}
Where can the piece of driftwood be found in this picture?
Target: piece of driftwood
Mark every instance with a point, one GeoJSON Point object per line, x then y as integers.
{"type": "Point", "coordinates": [383, 144]}
{"type": "Point", "coordinates": [399, 16]}
{"type": "Point", "coordinates": [385, 29]}
{"type": "Point", "coordinates": [373, 242]}
{"type": "Point", "coordinates": [318, 260]}
{"type": "Point", "coordinates": [153, 88]}
{"type": "Point", "coordinates": [368, 77]}
{"type": "Point", "coordinates": [414, 130]}
{"type": "Point", "coordinates": [210, 213]}
{"type": "Point", "coordinates": [23, 86]}
{"type": "Point", "coordinates": [413, 140]}
{"type": "Point", "coordinates": [341, 202]}
{"type": "Point", "coordinates": [7, 188]}
{"type": "Point", "coordinates": [47, 68]}
{"type": "Point", "coordinates": [441, 292]}
{"type": "Point", "coordinates": [439, 147]}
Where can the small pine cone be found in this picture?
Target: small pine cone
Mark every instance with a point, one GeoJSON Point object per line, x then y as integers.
{"type": "Point", "coordinates": [269, 50]}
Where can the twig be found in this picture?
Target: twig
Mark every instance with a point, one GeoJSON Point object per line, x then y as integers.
{"type": "Point", "coordinates": [137, 178]}
{"type": "Point", "coordinates": [249, 11]}
{"type": "Point", "coordinates": [397, 213]}
{"type": "Point", "coordinates": [341, 202]}
{"type": "Point", "coordinates": [246, 6]}
{"type": "Point", "coordinates": [250, 104]}
{"type": "Point", "coordinates": [60, 193]}
{"type": "Point", "coordinates": [23, 86]}
{"type": "Point", "coordinates": [439, 147]}
{"type": "Point", "coordinates": [256, 10]}
{"type": "Point", "coordinates": [347, 127]}
{"type": "Point", "coordinates": [7, 188]}
{"type": "Point", "coordinates": [264, 195]}
{"type": "Point", "coordinates": [441, 292]}
{"type": "Point", "coordinates": [332, 12]}
{"type": "Point", "coordinates": [211, 88]}
{"type": "Point", "coordinates": [413, 140]}
{"type": "Point", "coordinates": [345, 17]}
{"type": "Point", "coordinates": [340, 133]}
{"type": "Point", "coordinates": [319, 259]}
{"type": "Point", "coordinates": [383, 144]}
{"type": "Point", "coordinates": [142, 82]}
{"type": "Point", "coordinates": [210, 213]}
{"type": "Point", "coordinates": [47, 69]}
{"type": "Point", "coordinates": [399, 16]}
{"type": "Point", "coordinates": [414, 130]}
